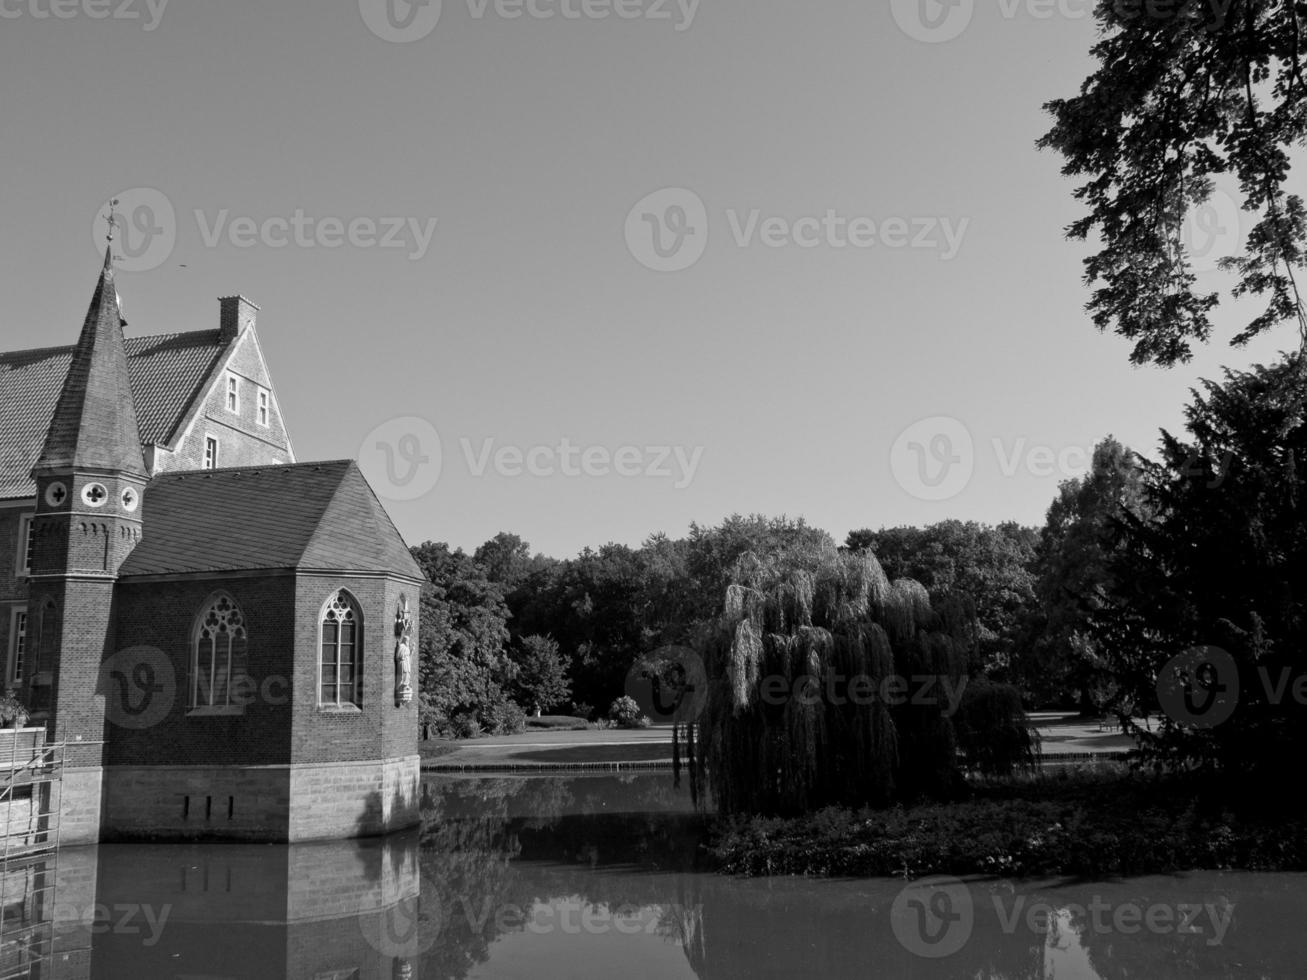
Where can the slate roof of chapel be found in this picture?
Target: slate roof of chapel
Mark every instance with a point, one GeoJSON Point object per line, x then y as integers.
{"type": "Point", "coordinates": [306, 516]}
{"type": "Point", "coordinates": [167, 374]}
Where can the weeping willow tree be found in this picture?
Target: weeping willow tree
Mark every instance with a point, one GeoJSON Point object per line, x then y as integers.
{"type": "Point", "coordinates": [827, 684]}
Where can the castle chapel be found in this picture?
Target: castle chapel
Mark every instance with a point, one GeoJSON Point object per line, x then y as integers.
{"type": "Point", "coordinates": [222, 638]}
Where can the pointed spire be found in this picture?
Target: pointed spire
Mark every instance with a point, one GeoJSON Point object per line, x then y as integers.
{"type": "Point", "coordinates": [94, 424]}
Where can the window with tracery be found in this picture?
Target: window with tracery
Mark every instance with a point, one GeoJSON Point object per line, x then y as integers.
{"type": "Point", "coordinates": [221, 645]}
{"type": "Point", "coordinates": [341, 651]}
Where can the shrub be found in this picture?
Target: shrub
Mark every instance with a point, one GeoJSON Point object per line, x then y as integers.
{"type": "Point", "coordinates": [992, 731]}
{"type": "Point", "coordinates": [13, 713]}
{"type": "Point", "coordinates": [582, 710]}
{"type": "Point", "coordinates": [625, 713]}
{"type": "Point", "coordinates": [504, 718]}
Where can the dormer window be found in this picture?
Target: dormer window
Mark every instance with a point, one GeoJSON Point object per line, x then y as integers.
{"type": "Point", "coordinates": [233, 394]}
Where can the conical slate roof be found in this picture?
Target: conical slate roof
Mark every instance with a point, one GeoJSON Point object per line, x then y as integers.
{"type": "Point", "coordinates": [94, 425]}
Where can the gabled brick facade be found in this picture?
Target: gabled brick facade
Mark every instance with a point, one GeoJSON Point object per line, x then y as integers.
{"type": "Point", "coordinates": [219, 648]}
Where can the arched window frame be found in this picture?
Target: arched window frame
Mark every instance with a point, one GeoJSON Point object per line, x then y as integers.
{"type": "Point", "coordinates": [340, 678]}
{"type": "Point", "coordinates": [220, 694]}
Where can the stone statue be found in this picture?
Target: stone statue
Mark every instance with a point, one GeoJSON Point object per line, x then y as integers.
{"type": "Point", "coordinates": [403, 654]}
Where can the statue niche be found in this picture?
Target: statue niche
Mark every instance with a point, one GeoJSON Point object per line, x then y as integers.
{"type": "Point", "coordinates": [403, 653]}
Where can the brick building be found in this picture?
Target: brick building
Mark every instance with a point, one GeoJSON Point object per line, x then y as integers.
{"type": "Point", "coordinates": [219, 634]}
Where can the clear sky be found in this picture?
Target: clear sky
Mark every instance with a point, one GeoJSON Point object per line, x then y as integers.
{"type": "Point", "coordinates": [785, 361]}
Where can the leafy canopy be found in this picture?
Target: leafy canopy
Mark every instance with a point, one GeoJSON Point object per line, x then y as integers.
{"type": "Point", "coordinates": [1185, 92]}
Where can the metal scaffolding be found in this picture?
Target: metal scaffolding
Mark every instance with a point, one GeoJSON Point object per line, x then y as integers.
{"type": "Point", "coordinates": [30, 781]}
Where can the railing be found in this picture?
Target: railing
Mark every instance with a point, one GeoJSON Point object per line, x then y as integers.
{"type": "Point", "coordinates": [30, 777]}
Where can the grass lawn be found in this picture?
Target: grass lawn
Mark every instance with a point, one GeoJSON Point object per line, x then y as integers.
{"type": "Point", "coordinates": [434, 748]}
{"type": "Point", "coordinates": [635, 752]}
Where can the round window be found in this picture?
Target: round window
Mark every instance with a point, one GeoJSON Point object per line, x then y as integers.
{"type": "Point", "coordinates": [131, 499]}
{"type": "Point", "coordinates": [94, 495]}
{"type": "Point", "coordinates": [56, 494]}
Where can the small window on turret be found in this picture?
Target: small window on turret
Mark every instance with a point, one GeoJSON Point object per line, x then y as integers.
{"type": "Point", "coordinates": [24, 562]}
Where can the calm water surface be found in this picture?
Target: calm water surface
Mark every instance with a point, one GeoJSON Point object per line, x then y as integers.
{"type": "Point", "coordinates": [596, 876]}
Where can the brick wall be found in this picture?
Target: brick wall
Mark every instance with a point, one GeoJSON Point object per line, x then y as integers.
{"type": "Point", "coordinates": [162, 615]}
{"type": "Point", "coordinates": [378, 729]}
{"type": "Point", "coordinates": [81, 635]}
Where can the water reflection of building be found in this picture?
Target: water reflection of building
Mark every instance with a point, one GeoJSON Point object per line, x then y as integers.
{"type": "Point", "coordinates": [319, 911]}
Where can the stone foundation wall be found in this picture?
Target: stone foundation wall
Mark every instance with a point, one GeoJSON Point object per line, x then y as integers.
{"type": "Point", "coordinates": [195, 802]}
{"type": "Point", "coordinates": [260, 803]}
{"type": "Point", "coordinates": [81, 801]}
{"type": "Point", "coordinates": [354, 799]}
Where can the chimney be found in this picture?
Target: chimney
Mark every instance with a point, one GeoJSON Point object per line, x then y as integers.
{"type": "Point", "coordinates": [238, 315]}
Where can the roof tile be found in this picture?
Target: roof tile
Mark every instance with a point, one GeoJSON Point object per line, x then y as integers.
{"type": "Point", "coordinates": [304, 516]}
{"type": "Point", "coordinates": [166, 374]}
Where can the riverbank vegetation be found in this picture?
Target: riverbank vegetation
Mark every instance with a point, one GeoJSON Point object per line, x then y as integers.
{"type": "Point", "coordinates": [1083, 824]}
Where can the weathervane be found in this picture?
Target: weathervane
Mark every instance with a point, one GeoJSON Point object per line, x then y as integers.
{"type": "Point", "coordinates": [112, 220]}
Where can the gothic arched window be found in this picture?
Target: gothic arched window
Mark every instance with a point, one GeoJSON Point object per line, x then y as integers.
{"type": "Point", "coordinates": [219, 655]}
{"type": "Point", "coordinates": [341, 656]}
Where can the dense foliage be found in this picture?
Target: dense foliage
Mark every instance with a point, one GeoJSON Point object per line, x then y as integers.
{"type": "Point", "coordinates": [1059, 662]}
{"type": "Point", "coordinates": [1219, 559]}
{"type": "Point", "coordinates": [990, 567]}
{"type": "Point", "coordinates": [1183, 93]}
{"type": "Point", "coordinates": [829, 684]}
{"type": "Point", "coordinates": [1091, 826]}
{"type": "Point", "coordinates": [462, 664]}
